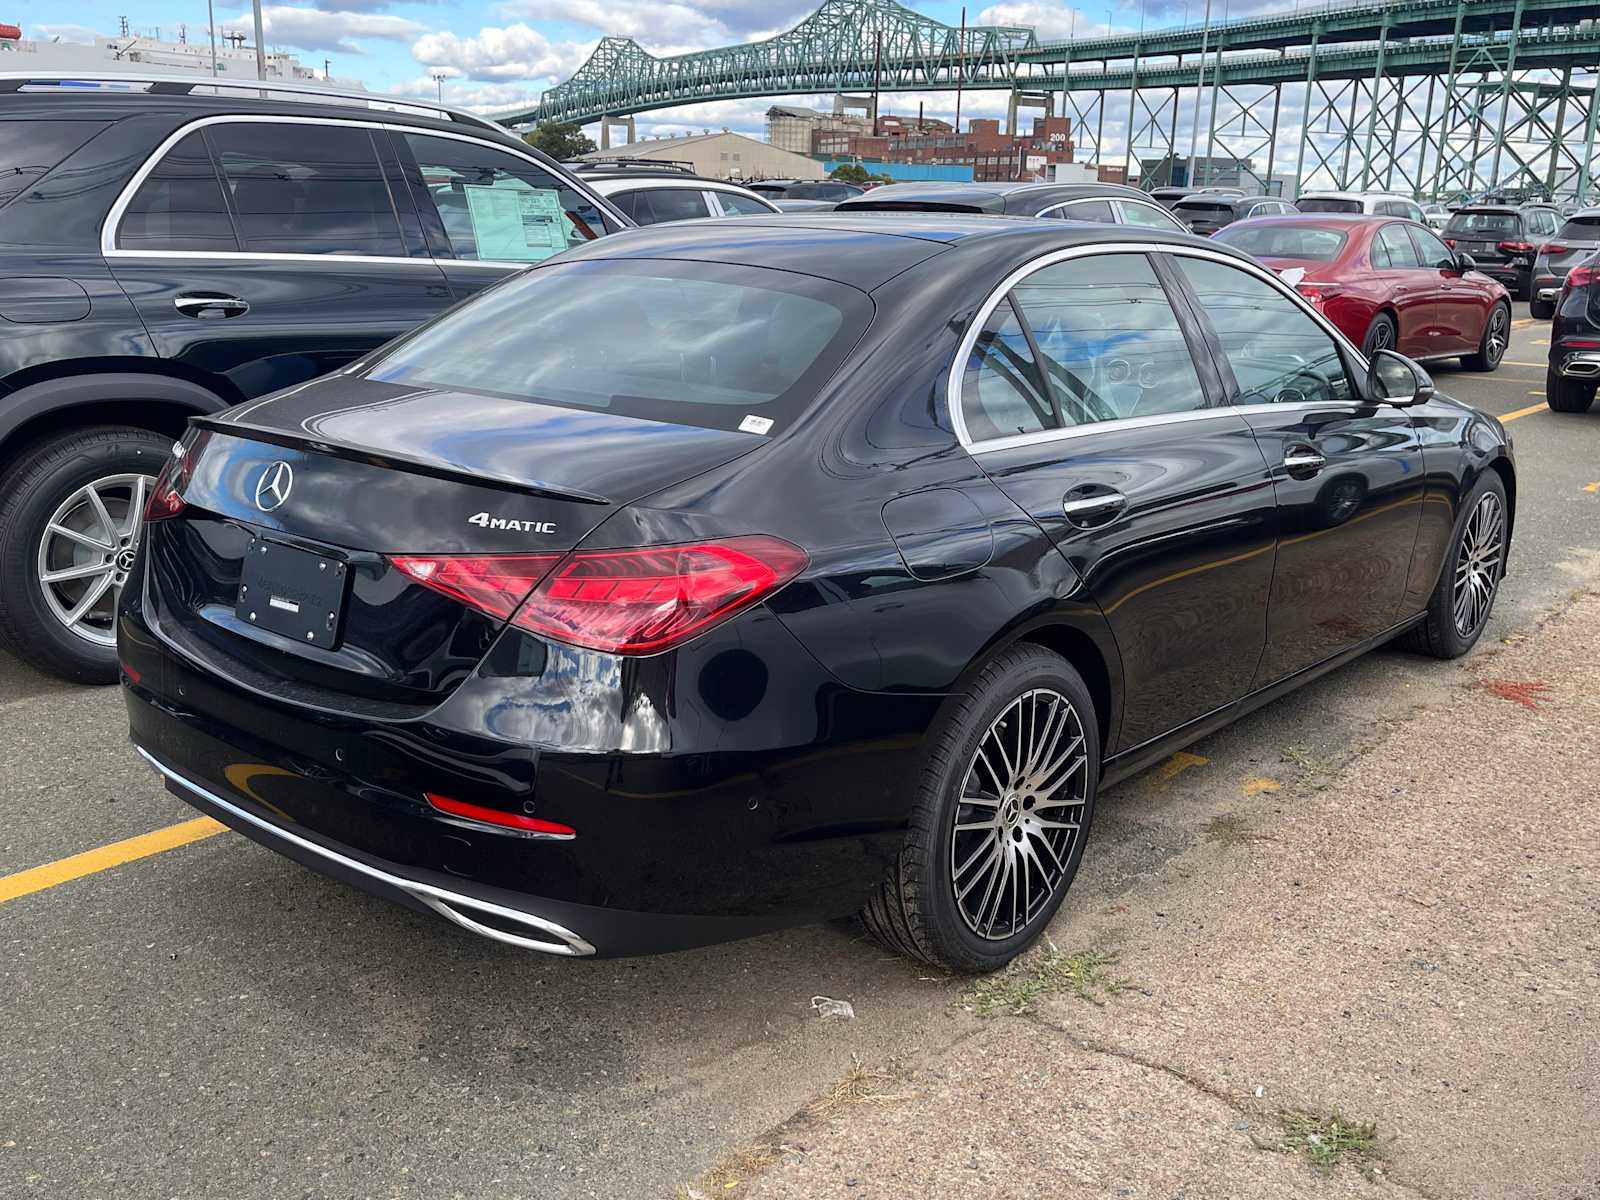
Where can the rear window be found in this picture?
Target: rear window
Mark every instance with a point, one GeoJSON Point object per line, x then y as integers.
{"type": "Point", "coordinates": [693, 343]}
{"type": "Point", "coordinates": [1284, 241]}
{"type": "Point", "coordinates": [1582, 229]}
{"type": "Point", "coordinates": [31, 149]}
{"type": "Point", "coordinates": [1325, 204]}
{"type": "Point", "coordinates": [1490, 224]}
{"type": "Point", "coordinates": [1201, 207]}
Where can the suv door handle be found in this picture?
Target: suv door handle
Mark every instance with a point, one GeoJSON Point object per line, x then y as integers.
{"type": "Point", "coordinates": [1084, 508]}
{"type": "Point", "coordinates": [209, 307]}
{"type": "Point", "coordinates": [1303, 461]}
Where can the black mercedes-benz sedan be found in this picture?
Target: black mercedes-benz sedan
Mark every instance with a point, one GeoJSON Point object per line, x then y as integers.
{"type": "Point", "coordinates": [728, 575]}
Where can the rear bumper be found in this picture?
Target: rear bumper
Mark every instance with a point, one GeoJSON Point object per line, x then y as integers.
{"type": "Point", "coordinates": [1584, 364]}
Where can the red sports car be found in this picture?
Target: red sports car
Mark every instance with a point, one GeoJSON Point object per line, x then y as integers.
{"type": "Point", "coordinates": [1387, 284]}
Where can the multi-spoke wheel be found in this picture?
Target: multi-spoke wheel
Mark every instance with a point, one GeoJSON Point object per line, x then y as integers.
{"type": "Point", "coordinates": [1474, 562]}
{"type": "Point", "coordinates": [1003, 807]}
{"type": "Point", "coordinates": [1492, 345]}
{"type": "Point", "coordinates": [1019, 813]}
{"type": "Point", "coordinates": [70, 513]}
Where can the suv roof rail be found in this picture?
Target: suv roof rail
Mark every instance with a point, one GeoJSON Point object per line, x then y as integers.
{"type": "Point", "coordinates": [183, 85]}
{"type": "Point", "coordinates": [610, 164]}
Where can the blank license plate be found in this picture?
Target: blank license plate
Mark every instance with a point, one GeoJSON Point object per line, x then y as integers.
{"type": "Point", "coordinates": [292, 592]}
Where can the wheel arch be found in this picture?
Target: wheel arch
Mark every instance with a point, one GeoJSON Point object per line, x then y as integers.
{"type": "Point", "coordinates": [161, 403]}
{"type": "Point", "coordinates": [1502, 467]}
{"type": "Point", "coordinates": [1089, 660]}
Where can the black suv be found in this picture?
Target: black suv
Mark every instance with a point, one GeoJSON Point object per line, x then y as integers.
{"type": "Point", "coordinates": [1573, 374]}
{"type": "Point", "coordinates": [1504, 240]}
{"type": "Point", "coordinates": [167, 253]}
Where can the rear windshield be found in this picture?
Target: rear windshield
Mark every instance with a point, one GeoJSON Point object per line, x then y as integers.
{"type": "Point", "coordinates": [1201, 206]}
{"type": "Point", "coordinates": [31, 149]}
{"type": "Point", "coordinates": [693, 343]}
{"type": "Point", "coordinates": [1490, 224]}
{"type": "Point", "coordinates": [1284, 241]}
{"type": "Point", "coordinates": [1327, 205]}
{"type": "Point", "coordinates": [1581, 229]}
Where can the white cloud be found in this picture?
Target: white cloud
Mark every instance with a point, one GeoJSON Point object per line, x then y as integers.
{"type": "Point", "coordinates": [61, 33]}
{"type": "Point", "coordinates": [695, 24]}
{"type": "Point", "coordinates": [478, 97]}
{"type": "Point", "coordinates": [1050, 19]}
{"type": "Point", "coordinates": [313, 29]}
{"type": "Point", "coordinates": [514, 52]}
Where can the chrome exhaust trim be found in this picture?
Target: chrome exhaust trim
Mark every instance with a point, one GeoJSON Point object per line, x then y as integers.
{"type": "Point", "coordinates": [1581, 367]}
{"type": "Point", "coordinates": [1549, 293]}
{"type": "Point", "coordinates": [452, 906]}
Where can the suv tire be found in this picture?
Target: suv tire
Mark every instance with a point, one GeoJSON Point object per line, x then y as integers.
{"type": "Point", "coordinates": [1565, 395]}
{"type": "Point", "coordinates": [65, 510]}
{"type": "Point", "coordinates": [918, 910]}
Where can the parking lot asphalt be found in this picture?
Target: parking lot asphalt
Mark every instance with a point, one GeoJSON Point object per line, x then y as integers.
{"type": "Point", "coordinates": [211, 1019]}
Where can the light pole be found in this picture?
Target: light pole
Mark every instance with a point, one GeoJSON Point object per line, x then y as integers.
{"type": "Point", "coordinates": [211, 26]}
{"type": "Point", "coordinates": [261, 53]}
{"type": "Point", "coordinates": [1200, 87]}
{"type": "Point", "coordinates": [438, 82]}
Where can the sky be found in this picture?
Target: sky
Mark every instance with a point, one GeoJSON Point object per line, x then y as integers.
{"type": "Point", "coordinates": [504, 53]}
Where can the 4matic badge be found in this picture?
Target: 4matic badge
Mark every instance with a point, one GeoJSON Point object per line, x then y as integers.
{"type": "Point", "coordinates": [485, 521]}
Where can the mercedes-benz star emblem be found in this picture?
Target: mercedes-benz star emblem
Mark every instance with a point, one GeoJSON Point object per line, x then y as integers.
{"type": "Point", "coordinates": [273, 487]}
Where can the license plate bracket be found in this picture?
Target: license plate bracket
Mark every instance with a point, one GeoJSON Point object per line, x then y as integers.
{"type": "Point", "coordinates": [295, 593]}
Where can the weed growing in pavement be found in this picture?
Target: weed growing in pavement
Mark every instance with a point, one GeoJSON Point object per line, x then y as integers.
{"type": "Point", "coordinates": [1327, 1141]}
{"type": "Point", "coordinates": [1014, 990]}
{"type": "Point", "coordinates": [860, 1085]}
{"type": "Point", "coordinates": [1315, 773]}
{"type": "Point", "coordinates": [734, 1169]}
{"type": "Point", "coordinates": [1230, 829]}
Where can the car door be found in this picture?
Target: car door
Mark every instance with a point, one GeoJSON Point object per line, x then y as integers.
{"type": "Point", "coordinates": [1414, 292]}
{"type": "Point", "coordinates": [1461, 306]}
{"type": "Point", "coordinates": [489, 211]}
{"type": "Point", "coordinates": [270, 249]}
{"type": "Point", "coordinates": [1083, 400]}
{"type": "Point", "coordinates": [1347, 473]}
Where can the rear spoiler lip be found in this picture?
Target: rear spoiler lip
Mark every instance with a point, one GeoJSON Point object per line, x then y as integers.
{"type": "Point", "coordinates": [439, 470]}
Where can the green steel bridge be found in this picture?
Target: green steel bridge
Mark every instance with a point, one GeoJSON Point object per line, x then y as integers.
{"type": "Point", "coordinates": [1436, 98]}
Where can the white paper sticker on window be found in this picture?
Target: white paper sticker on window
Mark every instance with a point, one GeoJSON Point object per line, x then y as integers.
{"type": "Point", "coordinates": [755, 424]}
{"type": "Point", "coordinates": [515, 224]}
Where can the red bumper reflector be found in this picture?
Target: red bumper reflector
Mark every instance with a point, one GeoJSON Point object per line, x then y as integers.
{"type": "Point", "coordinates": [493, 816]}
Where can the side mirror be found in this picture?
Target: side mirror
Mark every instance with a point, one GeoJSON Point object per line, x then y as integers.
{"type": "Point", "coordinates": [1395, 379]}
{"type": "Point", "coordinates": [1465, 262]}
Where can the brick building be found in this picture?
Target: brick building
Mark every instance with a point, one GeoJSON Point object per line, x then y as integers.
{"type": "Point", "coordinates": [992, 154]}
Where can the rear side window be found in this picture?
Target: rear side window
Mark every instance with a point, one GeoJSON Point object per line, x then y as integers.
{"type": "Point", "coordinates": [500, 208]}
{"type": "Point", "coordinates": [736, 205]}
{"type": "Point", "coordinates": [1148, 215]}
{"type": "Point", "coordinates": [1098, 211]}
{"type": "Point", "coordinates": [29, 150]}
{"type": "Point", "coordinates": [1108, 340]}
{"type": "Point", "coordinates": [306, 189]}
{"type": "Point", "coordinates": [1316, 204]}
{"type": "Point", "coordinates": [655, 205]}
{"type": "Point", "coordinates": [693, 343]}
{"type": "Point", "coordinates": [1002, 390]}
{"type": "Point", "coordinates": [1484, 225]}
{"type": "Point", "coordinates": [179, 206]}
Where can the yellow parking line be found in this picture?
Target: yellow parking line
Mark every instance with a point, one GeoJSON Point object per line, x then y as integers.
{"type": "Point", "coordinates": [1513, 416]}
{"type": "Point", "coordinates": [103, 858]}
{"type": "Point", "coordinates": [1507, 362]}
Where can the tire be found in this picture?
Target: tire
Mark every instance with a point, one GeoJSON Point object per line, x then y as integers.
{"type": "Point", "coordinates": [1565, 395]}
{"type": "Point", "coordinates": [1381, 335]}
{"type": "Point", "coordinates": [44, 493]}
{"type": "Point", "coordinates": [1440, 634]}
{"type": "Point", "coordinates": [1494, 341]}
{"type": "Point", "coordinates": [916, 910]}
{"type": "Point", "coordinates": [1541, 310]}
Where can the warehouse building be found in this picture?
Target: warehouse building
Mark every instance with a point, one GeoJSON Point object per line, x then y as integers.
{"type": "Point", "coordinates": [719, 156]}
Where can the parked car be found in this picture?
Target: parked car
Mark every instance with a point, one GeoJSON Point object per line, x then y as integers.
{"type": "Point", "coordinates": [167, 254]}
{"type": "Point", "coordinates": [1379, 204]}
{"type": "Point", "coordinates": [1168, 196]}
{"type": "Point", "coordinates": [1387, 285]}
{"type": "Point", "coordinates": [822, 189]}
{"type": "Point", "coordinates": [738, 574]}
{"type": "Point", "coordinates": [1104, 203]}
{"type": "Point", "coordinates": [649, 197]}
{"type": "Point", "coordinates": [772, 189]}
{"type": "Point", "coordinates": [1504, 239]}
{"type": "Point", "coordinates": [1577, 239]}
{"type": "Point", "coordinates": [1437, 216]}
{"type": "Point", "coordinates": [1205, 213]}
{"type": "Point", "coordinates": [1574, 361]}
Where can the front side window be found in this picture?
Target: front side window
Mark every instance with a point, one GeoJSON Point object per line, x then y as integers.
{"type": "Point", "coordinates": [497, 207]}
{"type": "Point", "coordinates": [1278, 354]}
{"type": "Point", "coordinates": [1431, 251]}
{"type": "Point", "coordinates": [1393, 250]}
{"type": "Point", "coordinates": [306, 189]}
{"type": "Point", "coordinates": [1109, 342]}
{"type": "Point", "coordinates": [179, 206]}
{"type": "Point", "coordinates": [736, 205]}
{"type": "Point", "coordinates": [688, 343]}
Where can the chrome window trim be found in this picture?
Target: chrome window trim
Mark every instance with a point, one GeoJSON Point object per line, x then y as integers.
{"type": "Point", "coordinates": [969, 338]}
{"type": "Point", "coordinates": [119, 207]}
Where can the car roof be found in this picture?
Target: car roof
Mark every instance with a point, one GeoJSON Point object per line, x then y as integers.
{"type": "Point", "coordinates": [607, 182]}
{"type": "Point", "coordinates": [1321, 195]}
{"type": "Point", "coordinates": [988, 197]}
{"type": "Point", "coordinates": [861, 250]}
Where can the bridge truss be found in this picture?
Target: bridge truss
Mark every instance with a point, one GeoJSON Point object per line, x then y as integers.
{"type": "Point", "coordinates": [1437, 98]}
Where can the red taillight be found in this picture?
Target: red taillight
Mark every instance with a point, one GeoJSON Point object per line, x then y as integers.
{"type": "Point", "coordinates": [634, 601]}
{"type": "Point", "coordinates": [493, 816]}
{"type": "Point", "coordinates": [494, 584]}
{"type": "Point", "coordinates": [1553, 248]}
{"type": "Point", "coordinates": [1451, 242]}
{"type": "Point", "coordinates": [1318, 293]}
{"type": "Point", "coordinates": [1582, 276]}
{"type": "Point", "coordinates": [644, 601]}
{"type": "Point", "coordinates": [1516, 247]}
{"type": "Point", "coordinates": [166, 498]}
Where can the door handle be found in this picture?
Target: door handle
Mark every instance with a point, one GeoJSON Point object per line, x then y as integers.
{"type": "Point", "coordinates": [1093, 508]}
{"type": "Point", "coordinates": [210, 307]}
{"type": "Point", "coordinates": [1303, 461]}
